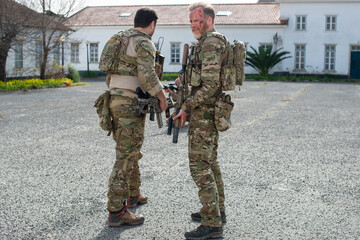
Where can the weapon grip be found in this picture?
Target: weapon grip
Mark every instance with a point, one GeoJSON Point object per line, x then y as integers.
{"type": "Point", "coordinates": [176, 135]}
{"type": "Point", "coordinates": [152, 114]}
{"type": "Point", "coordinates": [159, 120]}
{"type": "Point", "coordinates": [176, 127]}
{"type": "Point", "coordinates": [170, 126]}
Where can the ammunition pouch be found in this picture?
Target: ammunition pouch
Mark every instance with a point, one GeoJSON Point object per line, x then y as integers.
{"type": "Point", "coordinates": [223, 108]}
{"type": "Point", "coordinates": [102, 105]}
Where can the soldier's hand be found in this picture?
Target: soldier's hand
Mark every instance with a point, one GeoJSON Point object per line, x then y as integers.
{"type": "Point", "coordinates": [168, 91]}
{"type": "Point", "coordinates": [177, 82]}
{"type": "Point", "coordinates": [163, 102]}
{"type": "Point", "coordinates": [183, 116]}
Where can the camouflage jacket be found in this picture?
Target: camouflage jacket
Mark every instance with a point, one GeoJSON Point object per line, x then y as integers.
{"type": "Point", "coordinates": [143, 65]}
{"type": "Point", "coordinates": [210, 48]}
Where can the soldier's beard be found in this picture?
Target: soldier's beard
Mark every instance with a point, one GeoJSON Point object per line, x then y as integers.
{"type": "Point", "coordinates": [200, 31]}
{"type": "Point", "coordinates": [197, 35]}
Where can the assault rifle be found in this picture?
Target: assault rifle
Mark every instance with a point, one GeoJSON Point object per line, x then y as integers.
{"type": "Point", "coordinates": [180, 95]}
{"type": "Point", "coordinates": [146, 103]}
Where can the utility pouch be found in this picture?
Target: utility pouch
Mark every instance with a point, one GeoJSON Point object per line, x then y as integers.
{"type": "Point", "coordinates": [102, 105]}
{"type": "Point", "coordinates": [223, 108]}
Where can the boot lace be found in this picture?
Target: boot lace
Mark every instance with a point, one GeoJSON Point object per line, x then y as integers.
{"type": "Point", "coordinates": [202, 229]}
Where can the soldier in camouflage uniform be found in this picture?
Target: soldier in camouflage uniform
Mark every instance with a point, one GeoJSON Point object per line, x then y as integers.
{"type": "Point", "coordinates": [135, 68]}
{"type": "Point", "coordinates": [203, 135]}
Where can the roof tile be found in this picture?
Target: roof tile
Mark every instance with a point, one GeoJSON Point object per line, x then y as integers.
{"type": "Point", "coordinates": [242, 14]}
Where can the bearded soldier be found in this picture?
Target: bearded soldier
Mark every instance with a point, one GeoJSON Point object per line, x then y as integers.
{"type": "Point", "coordinates": [135, 67]}
{"type": "Point", "coordinates": [203, 135]}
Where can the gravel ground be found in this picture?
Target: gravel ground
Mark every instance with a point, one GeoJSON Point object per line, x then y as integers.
{"type": "Point", "coordinates": [290, 165]}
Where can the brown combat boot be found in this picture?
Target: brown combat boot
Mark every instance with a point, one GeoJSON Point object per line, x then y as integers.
{"type": "Point", "coordinates": [133, 202]}
{"type": "Point", "coordinates": [124, 217]}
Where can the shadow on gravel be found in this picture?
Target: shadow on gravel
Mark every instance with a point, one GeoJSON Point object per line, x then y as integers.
{"type": "Point", "coordinates": [112, 233]}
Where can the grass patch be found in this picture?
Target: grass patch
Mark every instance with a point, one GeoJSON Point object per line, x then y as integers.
{"type": "Point", "coordinates": [169, 76]}
{"type": "Point", "coordinates": [297, 78]}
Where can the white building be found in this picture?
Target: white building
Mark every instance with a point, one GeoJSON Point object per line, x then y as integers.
{"type": "Point", "coordinates": [322, 36]}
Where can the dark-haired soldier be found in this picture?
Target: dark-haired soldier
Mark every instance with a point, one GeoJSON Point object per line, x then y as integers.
{"type": "Point", "coordinates": [134, 68]}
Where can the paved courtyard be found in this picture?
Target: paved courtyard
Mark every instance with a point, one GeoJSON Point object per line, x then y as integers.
{"type": "Point", "coordinates": [290, 163]}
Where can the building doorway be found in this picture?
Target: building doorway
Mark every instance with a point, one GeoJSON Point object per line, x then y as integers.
{"type": "Point", "coordinates": [355, 62]}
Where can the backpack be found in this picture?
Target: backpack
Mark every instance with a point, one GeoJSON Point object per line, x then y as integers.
{"type": "Point", "coordinates": [109, 57]}
{"type": "Point", "coordinates": [102, 105]}
{"type": "Point", "coordinates": [233, 66]}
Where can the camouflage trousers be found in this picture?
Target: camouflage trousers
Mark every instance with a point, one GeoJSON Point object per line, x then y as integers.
{"type": "Point", "coordinates": [204, 166]}
{"type": "Point", "coordinates": [128, 134]}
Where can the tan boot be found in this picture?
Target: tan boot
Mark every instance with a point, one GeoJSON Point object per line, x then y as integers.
{"type": "Point", "coordinates": [124, 217]}
{"type": "Point", "coordinates": [135, 201]}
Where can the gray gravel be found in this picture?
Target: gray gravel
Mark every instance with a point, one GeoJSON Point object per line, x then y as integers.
{"type": "Point", "coordinates": [290, 163]}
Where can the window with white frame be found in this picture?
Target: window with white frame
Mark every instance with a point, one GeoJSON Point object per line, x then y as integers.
{"type": "Point", "coordinates": [300, 23]}
{"type": "Point", "coordinates": [329, 58]}
{"type": "Point", "coordinates": [56, 53]}
{"type": "Point", "coordinates": [300, 57]}
{"type": "Point", "coordinates": [94, 55]}
{"type": "Point", "coordinates": [355, 48]}
{"type": "Point", "coordinates": [330, 23]}
{"type": "Point", "coordinates": [75, 52]}
{"type": "Point", "coordinates": [175, 52]}
{"type": "Point", "coordinates": [38, 53]}
{"type": "Point", "coordinates": [19, 59]}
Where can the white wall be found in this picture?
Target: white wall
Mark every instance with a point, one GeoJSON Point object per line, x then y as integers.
{"type": "Point", "coordinates": [252, 35]}
{"type": "Point", "coordinates": [315, 37]}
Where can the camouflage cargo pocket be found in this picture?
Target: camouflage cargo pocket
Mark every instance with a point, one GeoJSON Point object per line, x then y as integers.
{"type": "Point", "coordinates": [103, 112]}
{"type": "Point", "coordinates": [228, 78]}
{"type": "Point", "coordinates": [195, 78]}
{"type": "Point", "coordinates": [223, 108]}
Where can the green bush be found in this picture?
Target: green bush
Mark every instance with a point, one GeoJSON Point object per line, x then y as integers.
{"type": "Point", "coordinates": [73, 74]}
{"type": "Point", "coordinates": [298, 78]}
{"type": "Point", "coordinates": [88, 74]}
{"type": "Point", "coordinates": [34, 84]}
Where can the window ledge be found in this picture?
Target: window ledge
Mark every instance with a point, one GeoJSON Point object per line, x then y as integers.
{"type": "Point", "coordinates": [299, 71]}
{"type": "Point", "coordinates": [329, 71]}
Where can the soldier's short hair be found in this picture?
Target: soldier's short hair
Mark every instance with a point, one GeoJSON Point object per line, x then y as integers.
{"type": "Point", "coordinates": [144, 17]}
{"type": "Point", "coordinates": [207, 8]}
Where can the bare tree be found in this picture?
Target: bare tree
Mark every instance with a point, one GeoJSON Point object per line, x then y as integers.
{"type": "Point", "coordinates": [15, 20]}
{"type": "Point", "coordinates": [43, 20]}
{"type": "Point", "coordinates": [53, 30]}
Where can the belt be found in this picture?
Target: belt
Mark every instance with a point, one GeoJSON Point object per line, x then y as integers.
{"type": "Point", "coordinates": [123, 92]}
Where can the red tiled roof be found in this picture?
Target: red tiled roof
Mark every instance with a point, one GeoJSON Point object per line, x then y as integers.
{"type": "Point", "coordinates": [242, 14]}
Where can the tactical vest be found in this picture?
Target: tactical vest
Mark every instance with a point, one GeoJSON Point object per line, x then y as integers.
{"type": "Point", "coordinates": [232, 63]}
{"type": "Point", "coordinates": [114, 60]}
